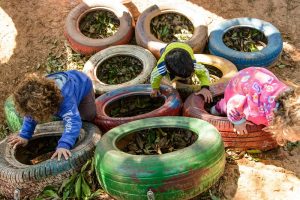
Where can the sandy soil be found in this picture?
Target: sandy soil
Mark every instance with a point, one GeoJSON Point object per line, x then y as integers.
{"type": "Point", "coordinates": [33, 30]}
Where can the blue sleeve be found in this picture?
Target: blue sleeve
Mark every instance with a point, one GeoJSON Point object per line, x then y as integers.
{"type": "Point", "coordinates": [28, 127]}
{"type": "Point", "coordinates": [72, 126]}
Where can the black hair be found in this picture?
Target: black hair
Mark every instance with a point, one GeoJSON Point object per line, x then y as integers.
{"type": "Point", "coordinates": [179, 63]}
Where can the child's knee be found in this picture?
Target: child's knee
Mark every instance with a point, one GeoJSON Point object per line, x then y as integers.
{"type": "Point", "coordinates": [88, 116]}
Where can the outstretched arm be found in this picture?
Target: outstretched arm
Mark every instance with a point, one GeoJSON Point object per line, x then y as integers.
{"type": "Point", "coordinates": [202, 74]}
{"type": "Point", "coordinates": [155, 80]}
{"type": "Point", "coordinates": [72, 126]}
{"type": "Point", "coordinates": [28, 127]}
{"type": "Point", "coordinates": [235, 113]}
{"type": "Point", "coordinates": [25, 134]}
{"type": "Point", "coordinates": [235, 109]}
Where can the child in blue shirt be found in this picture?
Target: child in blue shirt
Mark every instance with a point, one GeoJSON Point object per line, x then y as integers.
{"type": "Point", "coordinates": [68, 95]}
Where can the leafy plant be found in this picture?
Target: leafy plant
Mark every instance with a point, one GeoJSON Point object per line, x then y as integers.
{"type": "Point", "coordinates": [158, 141]}
{"type": "Point", "coordinates": [245, 39]}
{"type": "Point", "coordinates": [63, 58]}
{"type": "Point", "coordinates": [134, 105]}
{"type": "Point", "coordinates": [81, 185]}
{"type": "Point", "coordinates": [99, 24]}
{"type": "Point", "coordinates": [4, 131]}
{"type": "Point", "coordinates": [119, 69]}
{"type": "Point", "coordinates": [171, 27]}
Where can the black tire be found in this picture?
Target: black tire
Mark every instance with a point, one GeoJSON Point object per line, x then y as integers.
{"type": "Point", "coordinates": [263, 58]}
{"type": "Point", "coordinates": [31, 179]}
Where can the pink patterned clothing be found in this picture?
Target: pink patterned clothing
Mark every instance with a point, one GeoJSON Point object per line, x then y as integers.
{"type": "Point", "coordinates": [250, 95]}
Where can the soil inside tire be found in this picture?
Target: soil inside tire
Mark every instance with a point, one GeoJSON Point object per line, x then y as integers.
{"type": "Point", "coordinates": [245, 39]}
{"type": "Point", "coordinates": [119, 69]}
{"type": "Point", "coordinates": [171, 27]}
{"type": "Point", "coordinates": [133, 105]}
{"type": "Point", "coordinates": [156, 141]}
{"type": "Point", "coordinates": [99, 24]}
{"type": "Point", "coordinates": [214, 75]}
{"type": "Point", "coordinates": [37, 150]}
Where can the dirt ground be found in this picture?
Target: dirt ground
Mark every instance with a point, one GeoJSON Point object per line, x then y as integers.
{"type": "Point", "coordinates": [31, 32]}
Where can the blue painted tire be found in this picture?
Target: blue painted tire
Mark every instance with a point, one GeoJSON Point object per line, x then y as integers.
{"type": "Point", "coordinates": [263, 58]}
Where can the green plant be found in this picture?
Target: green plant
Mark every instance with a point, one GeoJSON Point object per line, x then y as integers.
{"type": "Point", "coordinates": [62, 58]}
{"type": "Point", "coordinates": [171, 27]}
{"type": "Point", "coordinates": [245, 39]}
{"type": "Point", "coordinates": [119, 69]}
{"type": "Point", "coordinates": [81, 185]}
{"type": "Point", "coordinates": [99, 24]}
{"type": "Point", "coordinates": [4, 131]}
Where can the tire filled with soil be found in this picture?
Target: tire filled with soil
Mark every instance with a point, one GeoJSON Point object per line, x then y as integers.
{"type": "Point", "coordinates": [134, 102]}
{"type": "Point", "coordinates": [29, 168]}
{"type": "Point", "coordinates": [246, 42]}
{"type": "Point", "coordinates": [256, 138]}
{"type": "Point", "coordinates": [92, 27]}
{"type": "Point", "coordinates": [162, 158]}
{"type": "Point", "coordinates": [220, 72]}
{"type": "Point", "coordinates": [165, 23]}
{"type": "Point", "coordinates": [119, 66]}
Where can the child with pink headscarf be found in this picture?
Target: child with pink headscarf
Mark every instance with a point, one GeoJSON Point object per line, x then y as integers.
{"type": "Point", "coordinates": [257, 95]}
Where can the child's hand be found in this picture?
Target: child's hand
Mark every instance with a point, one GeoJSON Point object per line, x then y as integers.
{"type": "Point", "coordinates": [62, 151]}
{"type": "Point", "coordinates": [241, 128]}
{"type": "Point", "coordinates": [234, 114]}
{"type": "Point", "coordinates": [16, 140]}
{"type": "Point", "coordinates": [155, 93]}
{"type": "Point", "coordinates": [206, 94]}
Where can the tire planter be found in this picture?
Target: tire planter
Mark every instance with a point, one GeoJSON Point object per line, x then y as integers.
{"type": "Point", "coordinates": [147, 59]}
{"type": "Point", "coordinates": [178, 175]}
{"type": "Point", "coordinates": [31, 179]}
{"type": "Point", "coordinates": [263, 58]}
{"type": "Point", "coordinates": [172, 105]}
{"type": "Point", "coordinates": [146, 39]}
{"type": "Point", "coordinates": [255, 139]}
{"type": "Point", "coordinates": [87, 46]}
{"type": "Point", "coordinates": [227, 68]}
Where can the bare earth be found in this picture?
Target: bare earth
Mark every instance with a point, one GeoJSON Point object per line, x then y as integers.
{"type": "Point", "coordinates": [30, 31]}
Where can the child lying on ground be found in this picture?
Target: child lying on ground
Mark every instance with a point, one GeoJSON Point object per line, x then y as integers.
{"type": "Point", "coordinates": [67, 95]}
{"type": "Point", "coordinates": [177, 60]}
{"type": "Point", "coordinates": [255, 94]}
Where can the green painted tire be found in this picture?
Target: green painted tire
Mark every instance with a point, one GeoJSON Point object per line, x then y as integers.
{"type": "Point", "coordinates": [14, 120]}
{"type": "Point", "coordinates": [180, 175]}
